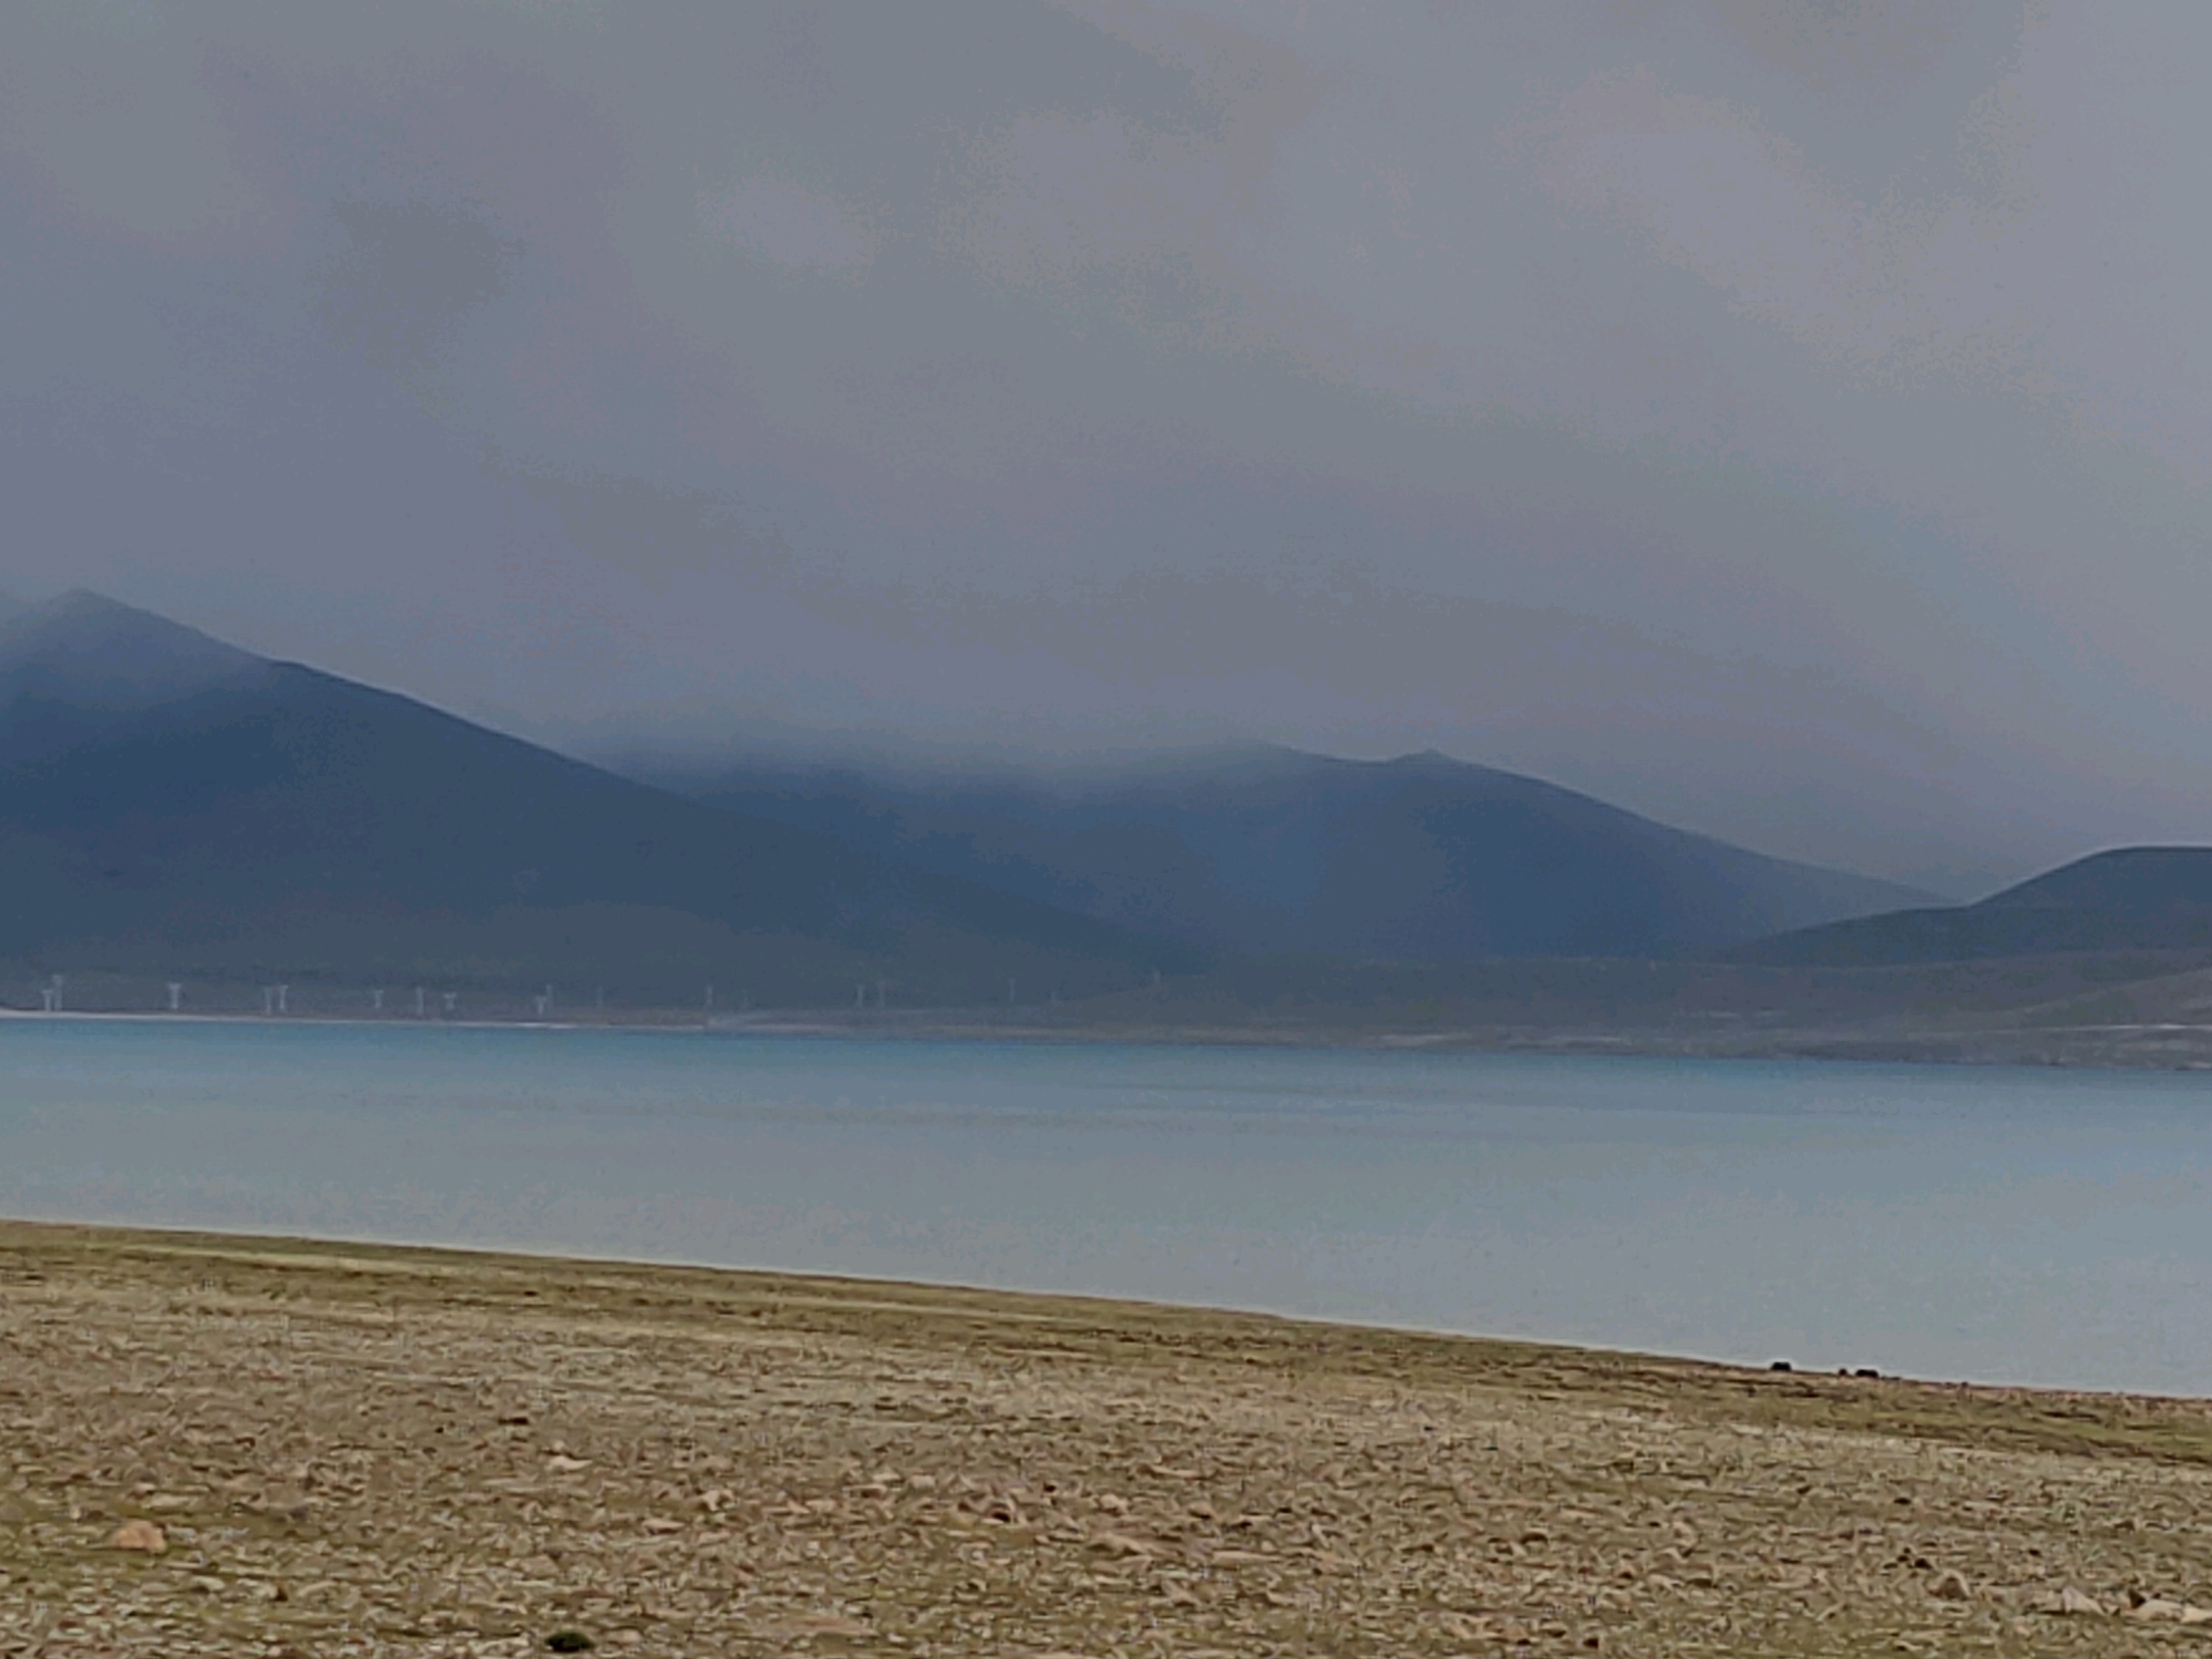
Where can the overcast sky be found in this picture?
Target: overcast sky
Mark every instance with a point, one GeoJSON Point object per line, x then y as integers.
{"type": "Point", "coordinates": [1784, 416]}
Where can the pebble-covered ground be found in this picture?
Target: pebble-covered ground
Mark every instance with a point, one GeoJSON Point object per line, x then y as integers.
{"type": "Point", "coordinates": [241, 1447]}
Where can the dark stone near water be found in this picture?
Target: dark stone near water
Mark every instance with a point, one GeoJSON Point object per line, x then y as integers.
{"type": "Point", "coordinates": [1781, 1366]}
{"type": "Point", "coordinates": [1867, 1370]}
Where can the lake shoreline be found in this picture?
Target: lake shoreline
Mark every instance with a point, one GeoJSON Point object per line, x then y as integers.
{"type": "Point", "coordinates": [1017, 1304]}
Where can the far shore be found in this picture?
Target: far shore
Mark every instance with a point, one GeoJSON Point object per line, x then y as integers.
{"type": "Point", "coordinates": [2173, 1045]}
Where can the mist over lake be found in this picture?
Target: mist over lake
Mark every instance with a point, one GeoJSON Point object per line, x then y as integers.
{"type": "Point", "coordinates": [1992, 1224]}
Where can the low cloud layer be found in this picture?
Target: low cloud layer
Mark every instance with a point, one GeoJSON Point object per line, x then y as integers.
{"type": "Point", "coordinates": [1788, 418]}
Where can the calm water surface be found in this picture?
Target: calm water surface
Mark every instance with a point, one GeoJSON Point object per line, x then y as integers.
{"type": "Point", "coordinates": [2010, 1225]}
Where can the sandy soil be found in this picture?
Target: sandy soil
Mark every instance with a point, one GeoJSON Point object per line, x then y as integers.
{"type": "Point", "coordinates": [344, 1450]}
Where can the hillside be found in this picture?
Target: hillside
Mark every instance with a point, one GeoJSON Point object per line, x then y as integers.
{"type": "Point", "coordinates": [1263, 850]}
{"type": "Point", "coordinates": [2136, 898]}
{"type": "Point", "coordinates": [168, 803]}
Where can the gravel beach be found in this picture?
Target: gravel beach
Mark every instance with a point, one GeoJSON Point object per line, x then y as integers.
{"type": "Point", "coordinates": [225, 1445]}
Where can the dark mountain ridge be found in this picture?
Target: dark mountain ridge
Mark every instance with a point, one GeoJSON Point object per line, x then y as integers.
{"type": "Point", "coordinates": [2134, 898]}
{"type": "Point", "coordinates": [1263, 850]}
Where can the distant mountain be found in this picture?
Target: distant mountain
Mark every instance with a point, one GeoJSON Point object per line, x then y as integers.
{"type": "Point", "coordinates": [1259, 849]}
{"type": "Point", "coordinates": [2136, 898]}
{"type": "Point", "coordinates": [167, 802]}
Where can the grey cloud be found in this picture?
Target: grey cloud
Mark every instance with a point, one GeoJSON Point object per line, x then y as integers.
{"type": "Point", "coordinates": [1783, 417]}
{"type": "Point", "coordinates": [407, 277]}
{"type": "Point", "coordinates": [1870, 51]}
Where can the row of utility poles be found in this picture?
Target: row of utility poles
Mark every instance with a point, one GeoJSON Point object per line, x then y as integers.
{"type": "Point", "coordinates": [276, 1000]}
{"type": "Point", "coordinates": [50, 994]}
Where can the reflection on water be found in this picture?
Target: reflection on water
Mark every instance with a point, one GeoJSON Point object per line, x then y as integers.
{"type": "Point", "coordinates": [2011, 1225]}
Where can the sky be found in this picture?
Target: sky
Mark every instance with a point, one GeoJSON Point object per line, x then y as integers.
{"type": "Point", "coordinates": [1785, 419]}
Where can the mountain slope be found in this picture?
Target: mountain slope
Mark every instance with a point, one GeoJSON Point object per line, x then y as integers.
{"type": "Point", "coordinates": [1260, 849]}
{"type": "Point", "coordinates": [166, 800]}
{"type": "Point", "coordinates": [2135, 898]}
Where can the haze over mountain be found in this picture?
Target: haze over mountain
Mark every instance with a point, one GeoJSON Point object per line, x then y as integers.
{"type": "Point", "coordinates": [1786, 420]}
{"type": "Point", "coordinates": [1260, 850]}
{"type": "Point", "coordinates": [2135, 898]}
{"type": "Point", "coordinates": [169, 803]}
{"type": "Point", "coordinates": [165, 799]}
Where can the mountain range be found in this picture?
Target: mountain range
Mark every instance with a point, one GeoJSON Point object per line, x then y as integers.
{"type": "Point", "coordinates": [171, 803]}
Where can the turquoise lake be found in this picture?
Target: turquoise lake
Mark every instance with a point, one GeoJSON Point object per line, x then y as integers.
{"type": "Point", "coordinates": [1999, 1226]}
